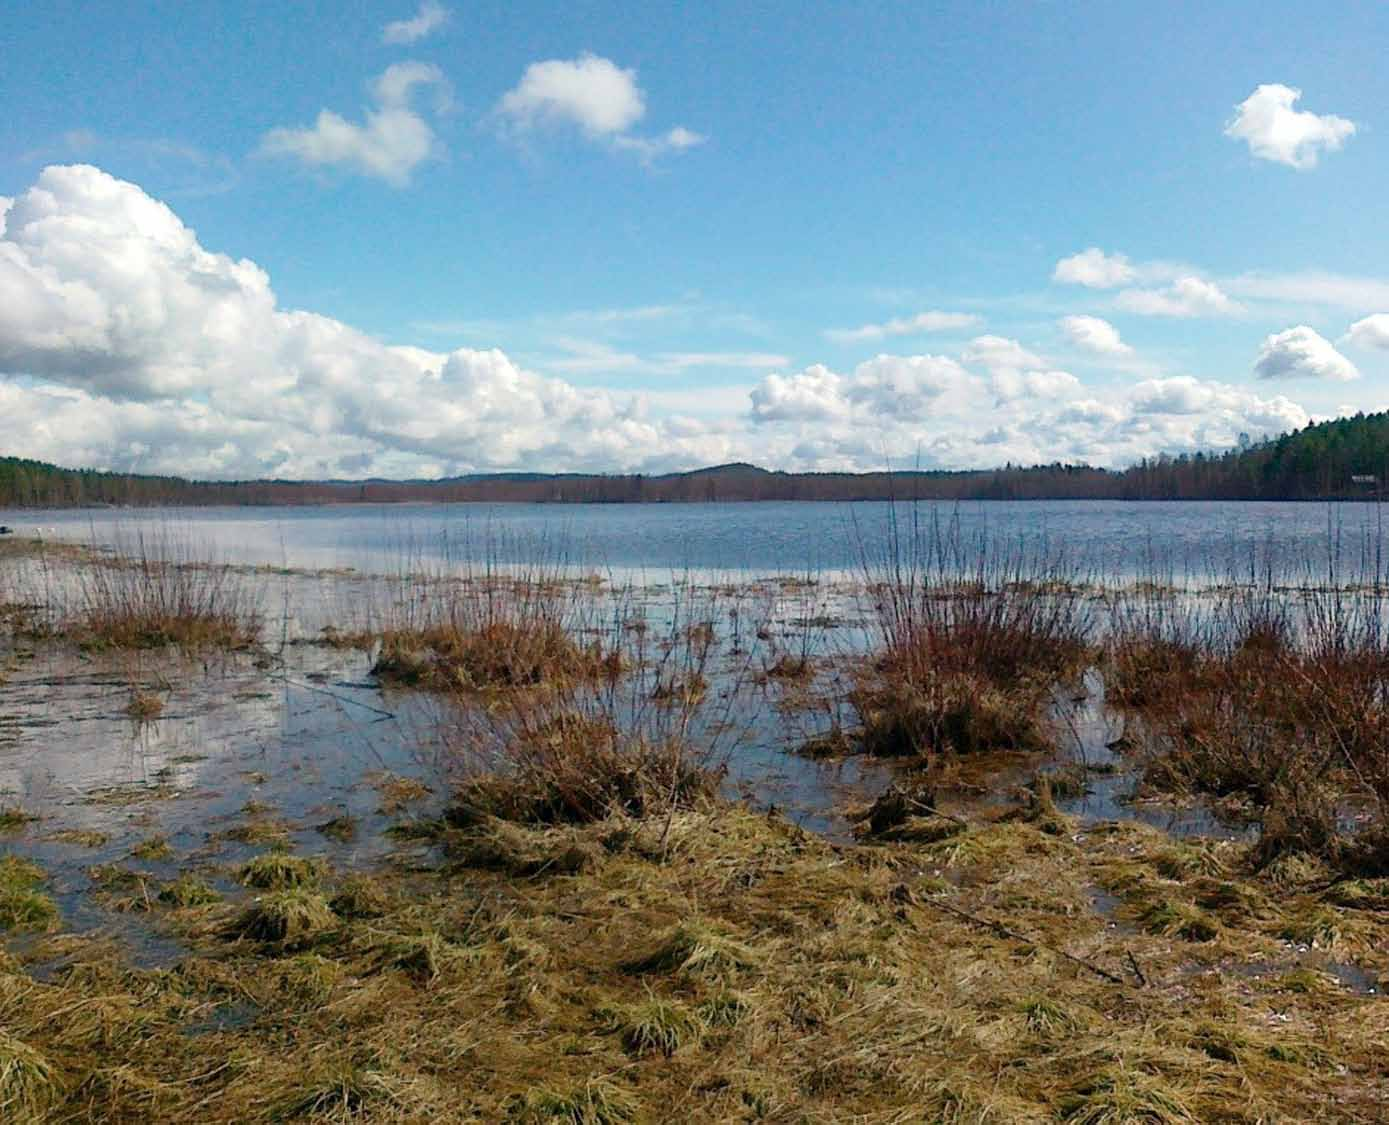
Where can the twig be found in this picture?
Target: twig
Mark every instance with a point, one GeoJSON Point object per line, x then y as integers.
{"type": "Point", "coordinates": [335, 695]}
{"type": "Point", "coordinates": [1004, 931]}
{"type": "Point", "coordinates": [936, 812]}
{"type": "Point", "coordinates": [1133, 964]}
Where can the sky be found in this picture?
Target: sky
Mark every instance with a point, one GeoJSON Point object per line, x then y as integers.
{"type": "Point", "coordinates": [420, 239]}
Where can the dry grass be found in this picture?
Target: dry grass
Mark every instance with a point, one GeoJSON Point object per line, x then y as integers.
{"type": "Point", "coordinates": [144, 706]}
{"type": "Point", "coordinates": [156, 591]}
{"type": "Point", "coordinates": [642, 739]}
{"type": "Point", "coordinates": [23, 905]}
{"type": "Point", "coordinates": [973, 637]}
{"type": "Point", "coordinates": [279, 871]}
{"type": "Point", "coordinates": [726, 966]}
{"type": "Point", "coordinates": [1279, 709]}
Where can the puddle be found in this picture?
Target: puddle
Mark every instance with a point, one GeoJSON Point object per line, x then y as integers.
{"type": "Point", "coordinates": [222, 1017]}
{"type": "Point", "coordinates": [1353, 978]}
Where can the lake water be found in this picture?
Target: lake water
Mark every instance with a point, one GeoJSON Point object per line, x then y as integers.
{"type": "Point", "coordinates": [1109, 540]}
{"type": "Point", "coordinates": [307, 732]}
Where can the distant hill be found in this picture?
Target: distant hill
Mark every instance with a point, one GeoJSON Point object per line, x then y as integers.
{"type": "Point", "coordinates": [1317, 462]}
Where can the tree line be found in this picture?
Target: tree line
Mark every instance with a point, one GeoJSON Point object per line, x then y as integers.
{"type": "Point", "coordinates": [1321, 461]}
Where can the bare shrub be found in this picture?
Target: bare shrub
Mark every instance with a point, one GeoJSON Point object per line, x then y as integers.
{"type": "Point", "coordinates": [158, 590]}
{"type": "Point", "coordinates": [642, 736]}
{"type": "Point", "coordinates": [973, 634]}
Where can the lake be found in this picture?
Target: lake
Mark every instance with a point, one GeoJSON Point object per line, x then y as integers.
{"type": "Point", "coordinates": [1110, 540]}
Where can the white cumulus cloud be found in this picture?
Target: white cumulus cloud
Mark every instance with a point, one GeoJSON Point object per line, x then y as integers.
{"type": "Point", "coordinates": [932, 321]}
{"type": "Point", "coordinates": [426, 21]}
{"type": "Point", "coordinates": [390, 143]}
{"type": "Point", "coordinates": [150, 351]}
{"type": "Point", "coordinates": [1095, 335]}
{"type": "Point", "coordinates": [1371, 332]}
{"type": "Point", "coordinates": [1267, 122]}
{"type": "Point", "coordinates": [999, 352]}
{"type": "Point", "coordinates": [1095, 269]}
{"type": "Point", "coordinates": [594, 95]}
{"type": "Point", "coordinates": [126, 344]}
{"type": "Point", "coordinates": [1301, 353]}
{"type": "Point", "coordinates": [1185, 297]}
{"type": "Point", "coordinates": [885, 386]}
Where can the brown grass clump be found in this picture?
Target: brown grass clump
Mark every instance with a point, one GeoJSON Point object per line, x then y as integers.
{"type": "Point", "coordinates": [155, 592]}
{"type": "Point", "coordinates": [23, 906]}
{"type": "Point", "coordinates": [13, 818]}
{"type": "Point", "coordinates": [474, 627]}
{"type": "Point", "coordinates": [1284, 719]}
{"type": "Point", "coordinates": [973, 638]}
{"type": "Point", "coordinates": [144, 706]}
{"type": "Point", "coordinates": [655, 1026]}
{"type": "Point", "coordinates": [360, 896]}
{"type": "Point", "coordinates": [29, 1085]}
{"type": "Point", "coordinates": [154, 849]}
{"type": "Point", "coordinates": [500, 654]}
{"type": "Point", "coordinates": [279, 871]}
{"type": "Point", "coordinates": [946, 714]}
{"type": "Point", "coordinates": [289, 918]}
{"type": "Point", "coordinates": [577, 768]}
{"type": "Point", "coordinates": [598, 1101]}
{"type": "Point", "coordinates": [187, 891]}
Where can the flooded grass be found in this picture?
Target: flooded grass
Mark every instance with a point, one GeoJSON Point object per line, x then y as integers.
{"type": "Point", "coordinates": [536, 900]}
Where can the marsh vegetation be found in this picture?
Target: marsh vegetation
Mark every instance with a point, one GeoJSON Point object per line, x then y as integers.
{"type": "Point", "coordinates": [571, 898]}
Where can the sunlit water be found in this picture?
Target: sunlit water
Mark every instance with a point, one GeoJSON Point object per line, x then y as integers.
{"type": "Point", "coordinates": [1109, 540]}
{"type": "Point", "coordinates": [305, 729]}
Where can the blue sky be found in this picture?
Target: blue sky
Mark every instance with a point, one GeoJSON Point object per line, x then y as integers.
{"type": "Point", "coordinates": [423, 239]}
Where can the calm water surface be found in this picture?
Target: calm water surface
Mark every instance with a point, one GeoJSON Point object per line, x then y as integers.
{"type": "Point", "coordinates": [1102, 539]}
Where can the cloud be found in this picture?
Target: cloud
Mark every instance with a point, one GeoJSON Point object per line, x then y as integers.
{"type": "Point", "coordinates": [593, 95]}
{"type": "Point", "coordinates": [1094, 335]}
{"type": "Point", "coordinates": [1011, 385]}
{"type": "Point", "coordinates": [126, 344]}
{"type": "Point", "coordinates": [1186, 297]}
{"type": "Point", "coordinates": [999, 352]}
{"type": "Point", "coordinates": [590, 92]}
{"type": "Point", "coordinates": [886, 385]}
{"type": "Point", "coordinates": [1267, 122]}
{"type": "Point", "coordinates": [1316, 287]}
{"type": "Point", "coordinates": [1372, 332]}
{"type": "Point", "coordinates": [815, 394]}
{"type": "Point", "coordinates": [1301, 353]}
{"type": "Point", "coordinates": [592, 356]}
{"type": "Point", "coordinates": [1095, 269]}
{"type": "Point", "coordinates": [390, 144]}
{"type": "Point", "coordinates": [933, 321]}
{"type": "Point", "coordinates": [649, 148]}
{"type": "Point", "coordinates": [426, 21]}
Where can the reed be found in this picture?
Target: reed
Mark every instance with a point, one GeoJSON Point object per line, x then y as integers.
{"type": "Point", "coordinates": [972, 634]}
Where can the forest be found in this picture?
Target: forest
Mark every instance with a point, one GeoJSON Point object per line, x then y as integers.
{"type": "Point", "coordinates": [1319, 462]}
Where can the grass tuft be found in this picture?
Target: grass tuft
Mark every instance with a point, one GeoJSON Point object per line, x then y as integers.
{"type": "Point", "coordinates": [187, 891]}
{"type": "Point", "coordinates": [599, 1101]}
{"type": "Point", "coordinates": [1119, 1095]}
{"type": "Point", "coordinates": [290, 918]}
{"type": "Point", "coordinates": [279, 871]}
{"type": "Point", "coordinates": [29, 1084]}
{"type": "Point", "coordinates": [695, 947]}
{"type": "Point", "coordinates": [654, 1026]}
{"type": "Point", "coordinates": [22, 905]}
{"type": "Point", "coordinates": [13, 818]}
{"type": "Point", "coordinates": [153, 850]}
{"type": "Point", "coordinates": [360, 896]}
